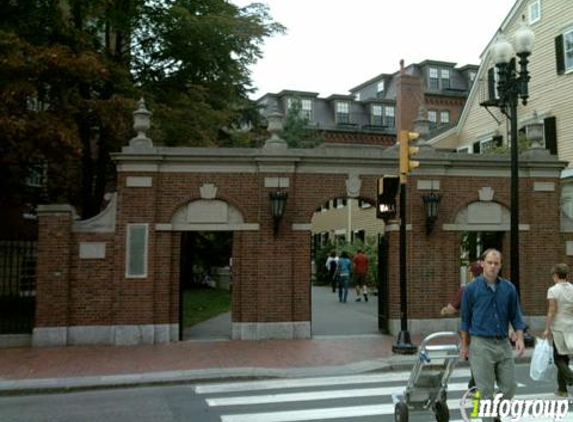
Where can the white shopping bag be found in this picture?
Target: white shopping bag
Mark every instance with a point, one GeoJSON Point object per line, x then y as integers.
{"type": "Point", "coordinates": [541, 368]}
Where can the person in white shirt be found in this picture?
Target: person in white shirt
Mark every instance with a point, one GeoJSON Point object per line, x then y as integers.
{"type": "Point", "coordinates": [559, 325]}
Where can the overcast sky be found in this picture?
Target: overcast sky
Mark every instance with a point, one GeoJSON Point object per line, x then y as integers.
{"type": "Point", "coordinates": [332, 46]}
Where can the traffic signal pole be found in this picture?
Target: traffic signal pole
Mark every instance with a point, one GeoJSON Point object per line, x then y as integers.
{"type": "Point", "coordinates": [403, 343]}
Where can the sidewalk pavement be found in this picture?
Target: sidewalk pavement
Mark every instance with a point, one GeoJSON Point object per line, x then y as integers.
{"type": "Point", "coordinates": [26, 370]}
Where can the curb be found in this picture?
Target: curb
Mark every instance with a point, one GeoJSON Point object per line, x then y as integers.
{"type": "Point", "coordinates": [66, 385]}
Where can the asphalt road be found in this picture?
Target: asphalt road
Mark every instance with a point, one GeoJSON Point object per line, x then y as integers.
{"type": "Point", "coordinates": [358, 398]}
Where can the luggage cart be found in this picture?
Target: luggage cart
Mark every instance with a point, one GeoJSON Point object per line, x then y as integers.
{"type": "Point", "coordinates": [428, 383]}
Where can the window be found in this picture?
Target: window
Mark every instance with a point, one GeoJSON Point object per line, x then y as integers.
{"type": "Point", "coordinates": [376, 115]}
{"type": "Point", "coordinates": [37, 173]}
{"type": "Point", "coordinates": [492, 81]}
{"type": "Point", "coordinates": [357, 96]}
{"type": "Point", "coordinates": [342, 112]}
{"type": "Point", "coordinates": [485, 145]}
{"type": "Point", "coordinates": [389, 117]}
{"type": "Point", "coordinates": [472, 77]}
{"type": "Point", "coordinates": [445, 78]}
{"type": "Point", "coordinates": [564, 52]}
{"type": "Point", "coordinates": [433, 118]}
{"type": "Point", "coordinates": [380, 87]}
{"type": "Point", "coordinates": [534, 12]}
{"type": "Point", "coordinates": [434, 81]}
{"type": "Point", "coordinates": [339, 202]}
{"type": "Point", "coordinates": [305, 107]}
{"type": "Point", "coordinates": [359, 235]}
{"type": "Point", "coordinates": [136, 253]}
{"type": "Point", "coordinates": [444, 117]}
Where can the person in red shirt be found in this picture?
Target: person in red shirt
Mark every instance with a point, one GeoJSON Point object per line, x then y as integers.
{"type": "Point", "coordinates": [360, 263]}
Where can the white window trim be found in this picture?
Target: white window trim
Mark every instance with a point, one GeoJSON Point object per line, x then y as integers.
{"type": "Point", "coordinates": [145, 251]}
{"type": "Point", "coordinates": [445, 113]}
{"type": "Point", "coordinates": [533, 19]}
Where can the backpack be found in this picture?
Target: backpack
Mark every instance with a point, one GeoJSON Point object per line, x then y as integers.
{"type": "Point", "coordinates": [333, 266]}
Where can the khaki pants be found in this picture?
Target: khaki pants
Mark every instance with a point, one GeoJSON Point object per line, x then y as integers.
{"type": "Point", "coordinates": [492, 361]}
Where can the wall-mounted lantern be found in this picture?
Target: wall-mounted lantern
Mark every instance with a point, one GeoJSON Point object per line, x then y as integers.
{"type": "Point", "coordinates": [431, 208]}
{"type": "Point", "coordinates": [278, 204]}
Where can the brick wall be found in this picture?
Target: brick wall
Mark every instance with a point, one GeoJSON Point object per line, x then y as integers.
{"type": "Point", "coordinates": [271, 275]}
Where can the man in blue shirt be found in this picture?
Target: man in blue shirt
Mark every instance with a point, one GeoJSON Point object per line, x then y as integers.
{"type": "Point", "coordinates": [489, 305]}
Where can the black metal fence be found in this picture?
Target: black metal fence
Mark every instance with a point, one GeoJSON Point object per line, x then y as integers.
{"type": "Point", "coordinates": [17, 286]}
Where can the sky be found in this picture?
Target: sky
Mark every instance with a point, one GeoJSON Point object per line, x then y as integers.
{"type": "Point", "coordinates": [332, 46]}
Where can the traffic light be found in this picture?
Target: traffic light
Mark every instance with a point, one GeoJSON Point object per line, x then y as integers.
{"type": "Point", "coordinates": [406, 151]}
{"type": "Point", "coordinates": [387, 190]}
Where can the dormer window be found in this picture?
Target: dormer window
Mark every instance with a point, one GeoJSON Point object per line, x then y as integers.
{"type": "Point", "coordinates": [389, 116]}
{"type": "Point", "coordinates": [434, 80]}
{"type": "Point", "coordinates": [342, 112]}
{"type": "Point", "coordinates": [445, 77]}
{"type": "Point", "coordinates": [380, 87]}
{"type": "Point", "coordinates": [376, 115]}
{"type": "Point", "coordinates": [305, 107]}
{"type": "Point", "coordinates": [439, 78]}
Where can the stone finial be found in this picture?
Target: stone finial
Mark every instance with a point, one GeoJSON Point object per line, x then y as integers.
{"type": "Point", "coordinates": [141, 124]}
{"type": "Point", "coordinates": [535, 131]}
{"type": "Point", "coordinates": [275, 120]}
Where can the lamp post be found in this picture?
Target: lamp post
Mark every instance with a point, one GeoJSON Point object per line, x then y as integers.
{"type": "Point", "coordinates": [513, 85]}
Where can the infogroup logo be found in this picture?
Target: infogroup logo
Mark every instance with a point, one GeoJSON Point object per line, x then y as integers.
{"type": "Point", "coordinates": [515, 409]}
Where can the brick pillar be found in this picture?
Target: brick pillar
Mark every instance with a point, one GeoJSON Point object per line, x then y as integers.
{"type": "Point", "coordinates": [53, 275]}
{"type": "Point", "coordinates": [409, 98]}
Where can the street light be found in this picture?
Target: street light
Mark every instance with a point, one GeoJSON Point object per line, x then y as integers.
{"type": "Point", "coordinates": [513, 85]}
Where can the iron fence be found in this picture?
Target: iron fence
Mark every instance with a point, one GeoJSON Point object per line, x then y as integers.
{"type": "Point", "coordinates": [17, 286]}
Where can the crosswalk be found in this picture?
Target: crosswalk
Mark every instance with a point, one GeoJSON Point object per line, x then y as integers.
{"type": "Point", "coordinates": [359, 398]}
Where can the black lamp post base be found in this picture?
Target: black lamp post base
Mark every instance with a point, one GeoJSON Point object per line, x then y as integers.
{"type": "Point", "coordinates": [403, 345]}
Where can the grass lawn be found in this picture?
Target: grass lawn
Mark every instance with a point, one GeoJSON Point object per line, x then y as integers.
{"type": "Point", "coordinates": [200, 304]}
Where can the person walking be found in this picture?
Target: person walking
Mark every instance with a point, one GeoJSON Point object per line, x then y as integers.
{"type": "Point", "coordinates": [489, 305]}
{"type": "Point", "coordinates": [331, 267]}
{"type": "Point", "coordinates": [360, 265]}
{"type": "Point", "coordinates": [454, 305]}
{"type": "Point", "coordinates": [344, 273]}
{"type": "Point", "coordinates": [559, 325]}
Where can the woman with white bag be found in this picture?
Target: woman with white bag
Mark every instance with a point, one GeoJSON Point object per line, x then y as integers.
{"type": "Point", "coordinates": [560, 325]}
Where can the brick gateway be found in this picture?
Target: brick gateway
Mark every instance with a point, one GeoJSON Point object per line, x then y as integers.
{"type": "Point", "coordinates": [114, 279]}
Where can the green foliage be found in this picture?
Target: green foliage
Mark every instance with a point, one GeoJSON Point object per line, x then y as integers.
{"type": "Point", "coordinates": [201, 304]}
{"type": "Point", "coordinates": [71, 72]}
{"type": "Point", "coordinates": [295, 130]}
{"type": "Point", "coordinates": [523, 145]}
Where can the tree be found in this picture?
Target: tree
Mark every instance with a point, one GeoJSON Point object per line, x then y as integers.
{"type": "Point", "coordinates": [295, 131]}
{"type": "Point", "coordinates": [71, 72]}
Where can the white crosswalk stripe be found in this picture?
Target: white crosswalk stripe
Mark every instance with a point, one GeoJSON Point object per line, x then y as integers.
{"type": "Point", "coordinates": [312, 382]}
{"type": "Point", "coordinates": [269, 400]}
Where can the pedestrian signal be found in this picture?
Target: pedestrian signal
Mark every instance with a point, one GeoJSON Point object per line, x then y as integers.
{"type": "Point", "coordinates": [387, 190]}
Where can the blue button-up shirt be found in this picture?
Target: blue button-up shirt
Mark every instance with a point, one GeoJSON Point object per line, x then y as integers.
{"type": "Point", "coordinates": [486, 312]}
